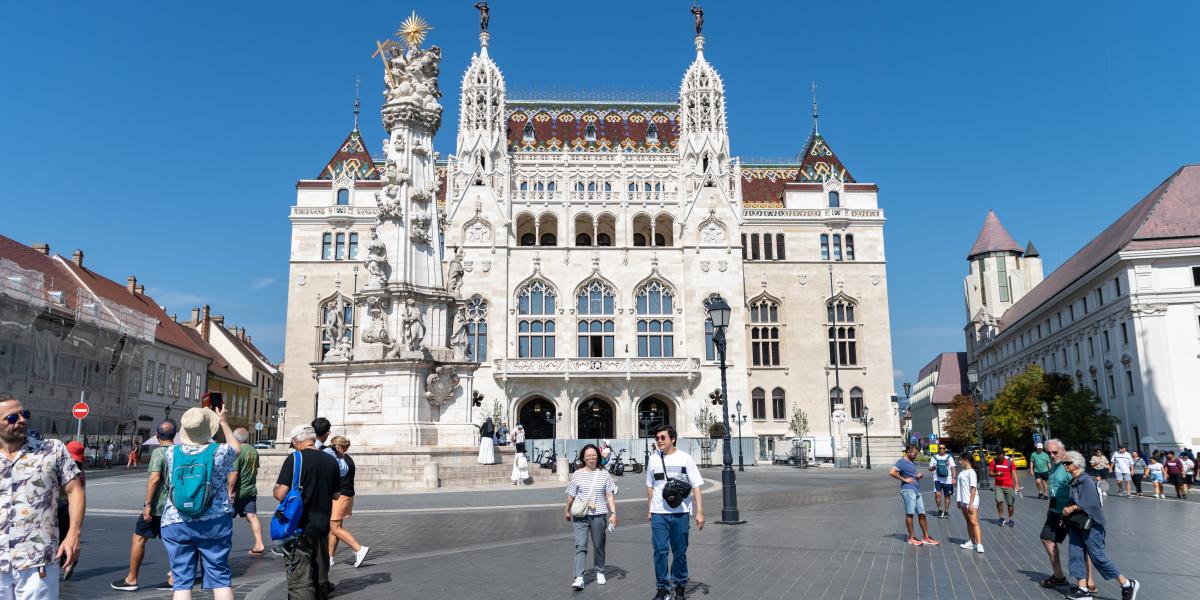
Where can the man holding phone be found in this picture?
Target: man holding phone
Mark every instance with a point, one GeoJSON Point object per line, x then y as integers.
{"type": "Point", "coordinates": [669, 517]}
{"type": "Point", "coordinates": [910, 491]}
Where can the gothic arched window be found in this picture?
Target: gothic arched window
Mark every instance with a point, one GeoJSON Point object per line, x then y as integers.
{"type": "Point", "coordinates": [835, 201]}
{"type": "Point", "coordinates": [778, 404]}
{"type": "Point", "coordinates": [343, 197]}
{"type": "Point", "coordinates": [589, 132]}
{"type": "Point", "coordinates": [655, 325]}
{"type": "Point", "coordinates": [758, 404]}
{"type": "Point", "coordinates": [652, 134]}
{"type": "Point", "coordinates": [535, 320]}
{"type": "Point", "coordinates": [824, 246]}
{"type": "Point", "coordinates": [835, 399]}
{"type": "Point", "coordinates": [843, 328]}
{"type": "Point", "coordinates": [596, 327]}
{"type": "Point", "coordinates": [857, 408]}
{"type": "Point", "coordinates": [764, 333]}
{"type": "Point", "coordinates": [477, 329]}
{"type": "Point", "coordinates": [527, 132]}
{"type": "Point", "coordinates": [850, 246]}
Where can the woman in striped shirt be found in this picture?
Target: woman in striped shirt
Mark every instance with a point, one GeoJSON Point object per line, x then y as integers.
{"type": "Point", "coordinates": [595, 485]}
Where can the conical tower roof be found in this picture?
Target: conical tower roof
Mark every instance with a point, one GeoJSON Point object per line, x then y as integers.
{"type": "Point", "coordinates": [993, 237]}
{"type": "Point", "coordinates": [1031, 251]}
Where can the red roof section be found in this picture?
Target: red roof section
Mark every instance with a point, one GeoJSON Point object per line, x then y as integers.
{"type": "Point", "coordinates": [763, 185]}
{"type": "Point", "coordinates": [351, 159]}
{"type": "Point", "coordinates": [993, 237]}
{"type": "Point", "coordinates": [620, 126]}
{"type": "Point", "coordinates": [818, 162]}
{"type": "Point", "coordinates": [1169, 217]}
{"type": "Point", "coordinates": [951, 368]}
{"type": "Point", "coordinates": [55, 277]}
{"type": "Point", "coordinates": [219, 366]}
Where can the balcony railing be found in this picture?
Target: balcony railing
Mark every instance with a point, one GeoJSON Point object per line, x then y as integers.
{"type": "Point", "coordinates": [597, 367]}
{"type": "Point", "coordinates": [819, 213]}
{"type": "Point", "coordinates": [339, 209]}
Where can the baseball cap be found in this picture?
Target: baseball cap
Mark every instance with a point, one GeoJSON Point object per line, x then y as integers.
{"type": "Point", "coordinates": [75, 449]}
{"type": "Point", "coordinates": [1039, 445]}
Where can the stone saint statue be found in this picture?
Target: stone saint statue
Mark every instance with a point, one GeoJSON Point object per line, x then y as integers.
{"type": "Point", "coordinates": [484, 17]}
{"type": "Point", "coordinates": [454, 273]}
{"type": "Point", "coordinates": [698, 14]}
{"type": "Point", "coordinates": [413, 324]}
{"type": "Point", "coordinates": [376, 261]}
{"type": "Point", "coordinates": [458, 335]}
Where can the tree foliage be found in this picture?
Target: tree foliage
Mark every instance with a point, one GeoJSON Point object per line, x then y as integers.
{"type": "Point", "coordinates": [706, 421]}
{"type": "Point", "coordinates": [959, 424]}
{"type": "Point", "coordinates": [798, 424]}
{"type": "Point", "coordinates": [1076, 415]}
{"type": "Point", "coordinates": [1011, 414]}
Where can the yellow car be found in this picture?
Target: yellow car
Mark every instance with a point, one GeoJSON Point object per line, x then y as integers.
{"type": "Point", "coordinates": [1019, 460]}
{"type": "Point", "coordinates": [981, 456]}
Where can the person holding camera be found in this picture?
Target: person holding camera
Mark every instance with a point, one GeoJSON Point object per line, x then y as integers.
{"type": "Point", "coordinates": [672, 481]}
{"type": "Point", "coordinates": [1084, 521]}
{"type": "Point", "coordinates": [590, 508]}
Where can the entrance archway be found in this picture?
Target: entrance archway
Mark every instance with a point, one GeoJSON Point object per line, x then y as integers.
{"type": "Point", "coordinates": [532, 416]}
{"type": "Point", "coordinates": [659, 409]}
{"type": "Point", "coordinates": [595, 419]}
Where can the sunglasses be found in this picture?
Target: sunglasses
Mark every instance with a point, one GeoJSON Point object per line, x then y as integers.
{"type": "Point", "coordinates": [13, 418]}
{"type": "Point", "coordinates": [662, 438]}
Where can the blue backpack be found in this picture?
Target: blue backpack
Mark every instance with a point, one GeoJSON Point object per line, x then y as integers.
{"type": "Point", "coordinates": [191, 481]}
{"type": "Point", "coordinates": [285, 524]}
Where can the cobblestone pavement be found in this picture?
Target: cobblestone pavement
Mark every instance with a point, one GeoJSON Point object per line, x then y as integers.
{"type": "Point", "coordinates": [817, 533]}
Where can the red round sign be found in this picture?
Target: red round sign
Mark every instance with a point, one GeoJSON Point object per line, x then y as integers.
{"type": "Point", "coordinates": [80, 410]}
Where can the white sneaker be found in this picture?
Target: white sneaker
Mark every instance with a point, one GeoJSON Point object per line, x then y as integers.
{"type": "Point", "coordinates": [979, 548]}
{"type": "Point", "coordinates": [577, 585]}
{"type": "Point", "coordinates": [600, 580]}
{"type": "Point", "coordinates": [967, 544]}
{"type": "Point", "coordinates": [361, 555]}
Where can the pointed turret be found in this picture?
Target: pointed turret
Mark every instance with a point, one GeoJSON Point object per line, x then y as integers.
{"type": "Point", "coordinates": [351, 161]}
{"type": "Point", "coordinates": [993, 237]}
{"type": "Point", "coordinates": [482, 145]}
{"type": "Point", "coordinates": [818, 162]}
{"type": "Point", "coordinates": [704, 143]}
{"type": "Point", "coordinates": [1031, 251]}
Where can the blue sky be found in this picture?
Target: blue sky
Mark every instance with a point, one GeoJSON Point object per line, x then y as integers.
{"type": "Point", "coordinates": [165, 138]}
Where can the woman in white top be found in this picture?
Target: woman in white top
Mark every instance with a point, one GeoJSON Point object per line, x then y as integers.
{"type": "Point", "coordinates": [596, 486]}
{"type": "Point", "coordinates": [1154, 470]}
{"type": "Point", "coordinates": [966, 494]}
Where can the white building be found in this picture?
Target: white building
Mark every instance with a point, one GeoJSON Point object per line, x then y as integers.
{"type": "Point", "coordinates": [933, 395]}
{"type": "Point", "coordinates": [589, 232]}
{"type": "Point", "coordinates": [1121, 316]}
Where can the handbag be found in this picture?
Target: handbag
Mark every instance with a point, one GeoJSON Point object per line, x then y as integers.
{"type": "Point", "coordinates": [580, 505]}
{"type": "Point", "coordinates": [675, 490]}
{"type": "Point", "coordinates": [285, 523]}
{"type": "Point", "coordinates": [1078, 520]}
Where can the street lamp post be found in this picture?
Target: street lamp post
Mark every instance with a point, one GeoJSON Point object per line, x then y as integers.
{"type": "Point", "coordinates": [553, 419]}
{"type": "Point", "coordinates": [648, 418]}
{"type": "Point", "coordinates": [740, 419]}
{"type": "Point", "coordinates": [867, 420]}
{"type": "Point", "coordinates": [973, 381]}
{"type": "Point", "coordinates": [719, 311]}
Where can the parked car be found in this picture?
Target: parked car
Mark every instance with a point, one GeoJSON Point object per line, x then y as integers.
{"type": "Point", "coordinates": [264, 445]}
{"type": "Point", "coordinates": [1019, 460]}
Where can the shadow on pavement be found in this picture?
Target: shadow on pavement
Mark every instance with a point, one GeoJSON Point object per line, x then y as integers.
{"type": "Point", "coordinates": [356, 584]}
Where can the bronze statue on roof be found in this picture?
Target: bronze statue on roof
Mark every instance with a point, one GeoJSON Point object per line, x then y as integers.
{"type": "Point", "coordinates": [484, 17]}
{"type": "Point", "coordinates": [698, 13]}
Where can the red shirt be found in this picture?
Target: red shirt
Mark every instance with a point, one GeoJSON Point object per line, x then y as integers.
{"type": "Point", "coordinates": [1002, 472]}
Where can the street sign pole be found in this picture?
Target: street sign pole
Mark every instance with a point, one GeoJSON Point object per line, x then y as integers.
{"type": "Point", "coordinates": [79, 423]}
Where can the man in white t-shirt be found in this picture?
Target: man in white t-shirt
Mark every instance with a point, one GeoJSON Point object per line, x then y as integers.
{"type": "Point", "coordinates": [1120, 465]}
{"type": "Point", "coordinates": [669, 525]}
{"type": "Point", "coordinates": [942, 464]}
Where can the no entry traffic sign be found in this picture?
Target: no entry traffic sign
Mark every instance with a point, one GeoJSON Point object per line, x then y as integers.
{"type": "Point", "coordinates": [80, 410]}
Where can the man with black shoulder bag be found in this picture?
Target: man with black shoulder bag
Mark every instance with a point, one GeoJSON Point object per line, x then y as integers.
{"type": "Point", "coordinates": [673, 494]}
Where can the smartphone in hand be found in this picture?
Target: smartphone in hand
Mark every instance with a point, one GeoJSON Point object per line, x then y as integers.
{"type": "Point", "coordinates": [212, 400]}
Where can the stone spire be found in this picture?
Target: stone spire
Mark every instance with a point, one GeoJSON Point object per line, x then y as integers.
{"type": "Point", "coordinates": [482, 146]}
{"type": "Point", "coordinates": [704, 139]}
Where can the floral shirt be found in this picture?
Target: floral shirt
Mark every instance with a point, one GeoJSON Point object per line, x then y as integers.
{"type": "Point", "coordinates": [222, 464]}
{"type": "Point", "coordinates": [30, 485]}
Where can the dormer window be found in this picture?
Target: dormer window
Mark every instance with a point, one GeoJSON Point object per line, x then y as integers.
{"type": "Point", "coordinates": [527, 132]}
{"type": "Point", "coordinates": [589, 133]}
{"type": "Point", "coordinates": [652, 134]}
{"type": "Point", "coordinates": [835, 201]}
{"type": "Point", "coordinates": [343, 197]}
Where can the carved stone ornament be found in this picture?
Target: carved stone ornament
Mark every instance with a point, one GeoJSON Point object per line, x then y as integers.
{"type": "Point", "coordinates": [468, 266]}
{"type": "Point", "coordinates": [803, 277]}
{"type": "Point", "coordinates": [413, 325]}
{"type": "Point", "coordinates": [376, 331]}
{"type": "Point", "coordinates": [411, 77]}
{"type": "Point", "coordinates": [440, 385]}
{"type": "Point", "coordinates": [454, 273]}
{"type": "Point", "coordinates": [376, 262]}
{"type": "Point", "coordinates": [705, 265]}
{"type": "Point", "coordinates": [487, 266]}
{"type": "Point", "coordinates": [1148, 310]}
{"type": "Point", "coordinates": [478, 232]}
{"type": "Point", "coordinates": [722, 265]}
{"type": "Point", "coordinates": [365, 398]}
{"type": "Point", "coordinates": [875, 279]}
{"type": "Point", "coordinates": [711, 232]}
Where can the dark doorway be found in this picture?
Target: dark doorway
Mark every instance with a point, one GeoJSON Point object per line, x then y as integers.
{"type": "Point", "coordinates": [652, 413]}
{"type": "Point", "coordinates": [595, 419]}
{"type": "Point", "coordinates": [533, 417]}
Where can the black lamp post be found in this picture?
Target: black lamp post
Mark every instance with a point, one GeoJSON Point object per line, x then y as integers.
{"type": "Point", "coordinates": [719, 311]}
{"type": "Point", "coordinates": [973, 381]}
{"type": "Point", "coordinates": [866, 420]}
{"type": "Point", "coordinates": [648, 418]}
{"type": "Point", "coordinates": [553, 420]}
{"type": "Point", "coordinates": [740, 419]}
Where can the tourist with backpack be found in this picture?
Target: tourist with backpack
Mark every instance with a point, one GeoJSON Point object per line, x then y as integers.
{"type": "Point", "coordinates": [198, 516]}
{"type": "Point", "coordinates": [943, 482]}
{"type": "Point", "coordinates": [308, 483]}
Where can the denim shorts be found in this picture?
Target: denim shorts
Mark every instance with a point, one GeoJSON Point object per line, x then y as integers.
{"type": "Point", "coordinates": [913, 503]}
{"type": "Point", "coordinates": [946, 489]}
{"type": "Point", "coordinates": [211, 540]}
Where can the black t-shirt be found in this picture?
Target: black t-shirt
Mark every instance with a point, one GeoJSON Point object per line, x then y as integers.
{"type": "Point", "coordinates": [319, 481]}
{"type": "Point", "coordinates": [347, 486]}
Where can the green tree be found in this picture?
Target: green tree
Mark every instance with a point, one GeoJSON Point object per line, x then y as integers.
{"type": "Point", "coordinates": [798, 424]}
{"type": "Point", "coordinates": [1076, 415]}
{"type": "Point", "coordinates": [1011, 414]}
{"type": "Point", "coordinates": [959, 424]}
{"type": "Point", "coordinates": [706, 422]}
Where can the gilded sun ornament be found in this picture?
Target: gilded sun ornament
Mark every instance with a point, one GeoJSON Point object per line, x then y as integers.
{"type": "Point", "coordinates": [413, 30]}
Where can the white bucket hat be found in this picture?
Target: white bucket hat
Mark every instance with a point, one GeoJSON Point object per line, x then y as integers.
{"type": "Point", "coordinates": [197, 426]}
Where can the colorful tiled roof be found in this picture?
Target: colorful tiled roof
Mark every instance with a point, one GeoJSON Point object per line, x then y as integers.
{"type": "Point", "coordinates": [618, 126]}
{"type": "Point", "coordinates": [1169, 217]}
{"type": "Point", "coordinates": [763, 185]}
{"type": "Point", "coordinates": [351, 159]}
{"type": "Point", "coordinates": [818, 162]}
{"type": "Point", "coordinates": [993, 237]}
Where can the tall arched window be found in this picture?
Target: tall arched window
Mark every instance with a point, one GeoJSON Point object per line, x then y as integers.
{"type": "Point", "coordinates": [754, 247]}
{"type": "Point", "coordinates": [528, 240]}
{"type": "Point", "coordinates": [764, 333]}
{"type": "Point", "coordinates": [779, 254]}
{"type": "Point", "coordinates": [477, 329]}
{"type": "Point", "coordinates": [337, 322]}
{"type": "Point", "coordinates": [339, 250]}
{"type": "Point", "coordinates": [835, 399]}
{"type": "Point", "coordinates": [583, 239]}
{"type": "Point", "coordinates": [768, 247]}
{"type": "Point", "coordinates": [856, 403]}
{"type": "Point", "coordinates": [843, 338]}
{"type": "Point", "coordinates": [535, 321]}
{"type": "Point", "coordinates": [326, 246]}
{"type": "Point", "coordinates": [343, 197]}
{"type": "Point", "coordinates": [710, 350]}
{"type": "Point", "coordinates": [595, 306]}
{"type": "Point", "coordinates": [778, 404]}
{"type": "Point", "coordinates": [835, 201]}
{"type": "Point", "coordinates": [824, 246]}
{"type": "Point", "coordinates": [655, 325]}
{"type": "Point", "coordinates": [352, 253]}
{"type": "Point", "coordinates": [849, 246]}
{"type": "Point", "coordinates": [758, 400]}
{"type": "Point", "coordinates": [837, 246]}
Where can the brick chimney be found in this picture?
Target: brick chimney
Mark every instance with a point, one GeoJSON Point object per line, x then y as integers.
{"type": "Point", "coordinates": [41, 247]}
{"type": "Point", "coordinates": [241, 331]}
{"type": "Point", "coordinates": [219, 320]}
{"type": "Point", "coordinates": [77, 257]}
{"type": "Point", "coordinates": [131, 284]}
{"type": "Point", "coordinates": [204, 323]}
{"type": "Point", "coordinates": [141, 289]}
{"type": "Point", "coordinates": [196, 315]}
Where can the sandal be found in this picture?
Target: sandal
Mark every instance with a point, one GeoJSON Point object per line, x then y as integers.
{"type": "Point", "coordinates": [253, 552]}
{"type": "Point", "coordinates": [1052, 581]}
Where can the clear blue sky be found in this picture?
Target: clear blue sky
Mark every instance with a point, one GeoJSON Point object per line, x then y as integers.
{"type": "Point", "coordinates": [165, 138]}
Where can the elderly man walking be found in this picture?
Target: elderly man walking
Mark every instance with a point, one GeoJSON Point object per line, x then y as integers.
{"type": "Point", "coordinates": [1058, 486]}
{"type": "Point", "coordinates": [319, 480]}
{"type": "Point", "coordinates": [33, 473]}
{"type": "Point", "coordinates": [244, 491]}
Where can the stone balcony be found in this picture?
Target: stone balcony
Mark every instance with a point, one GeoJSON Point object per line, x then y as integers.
{"type": "Point", "coordinates": [567, 368]}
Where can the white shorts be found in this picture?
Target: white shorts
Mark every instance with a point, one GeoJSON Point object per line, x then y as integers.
{"type": "Point", "coordinates": [27, 584]}
{"type": "Point", "coordinates": [1120, 476]}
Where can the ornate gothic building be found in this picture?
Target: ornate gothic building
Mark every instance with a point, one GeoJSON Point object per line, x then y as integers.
{"type": "Point", "coordinates": [578, 242]}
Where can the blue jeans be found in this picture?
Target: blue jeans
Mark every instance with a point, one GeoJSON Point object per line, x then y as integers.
{"type": "Point", "coordinates": [669, 533]}
{"type": "Point", "coordinates": [211, 539]}
{"type": "Point", "coordinates": [914, 504]}
{"type": "Point", "coordinates": [1084, 544]}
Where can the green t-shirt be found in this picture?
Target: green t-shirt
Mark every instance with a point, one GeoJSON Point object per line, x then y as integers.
{"type": "Point", "coordinates": [158, 464]}
{"type": "Point", "coordinates": [1060, 488]}
{"type": "Point", "coordinates": [246, 466]}
{"type": "Point", "coordinates": [1041, 462]}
